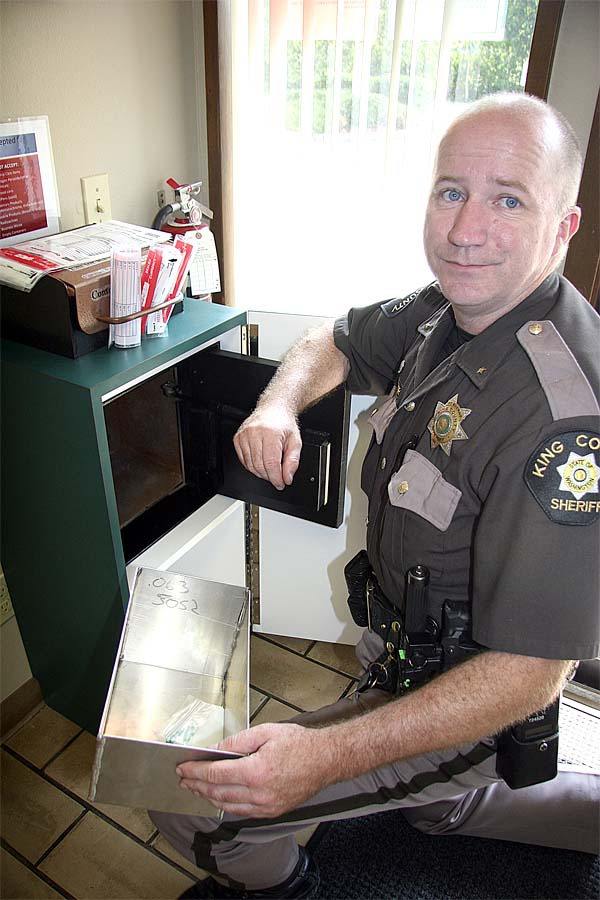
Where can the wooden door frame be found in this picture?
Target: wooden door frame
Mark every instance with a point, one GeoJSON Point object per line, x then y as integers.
{"type": "Point", "coordinates": [543, 47]}
{"type": "Point", "coordinates": [582, 265]}
{"type": "Point", "coordinates": [210, 9]}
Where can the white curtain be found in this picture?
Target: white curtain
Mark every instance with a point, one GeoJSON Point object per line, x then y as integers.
{"type": "Point", "coordinates": [331, 112]}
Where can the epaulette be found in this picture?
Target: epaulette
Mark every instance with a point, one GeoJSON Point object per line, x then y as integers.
{"type": "Point", "coordinates": [396, 305]}
{"type": "Point", "coordinates": [563, 381]}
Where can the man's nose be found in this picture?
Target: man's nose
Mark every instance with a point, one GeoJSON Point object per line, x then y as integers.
{"type": "Point", "coordinates": [470, 226]}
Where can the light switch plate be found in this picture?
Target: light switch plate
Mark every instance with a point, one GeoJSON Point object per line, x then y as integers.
{"type": "Point", "coordinates": [96, 199]}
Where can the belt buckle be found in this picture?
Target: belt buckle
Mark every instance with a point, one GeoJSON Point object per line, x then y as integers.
{"type": "Point", "coordinates": [369, 601]}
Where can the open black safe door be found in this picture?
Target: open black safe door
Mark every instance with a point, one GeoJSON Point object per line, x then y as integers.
{"type": "Point", "coordinates": [220, 389]}
{"type": "Point", "coordinates": [169, 462]}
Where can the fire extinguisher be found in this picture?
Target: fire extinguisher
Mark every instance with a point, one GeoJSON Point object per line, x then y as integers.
{"type": "Point", "coordinates": [185, 213]}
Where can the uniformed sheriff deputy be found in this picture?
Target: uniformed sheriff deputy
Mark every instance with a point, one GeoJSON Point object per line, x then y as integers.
{"type": "Point", "coordinates": [483, 470]}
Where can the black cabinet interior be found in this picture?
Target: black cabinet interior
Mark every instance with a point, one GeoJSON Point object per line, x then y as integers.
{"type": "Point", "coordinates": [171, 447]}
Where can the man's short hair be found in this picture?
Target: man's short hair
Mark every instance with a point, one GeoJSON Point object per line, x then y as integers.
{"type": "Point", "coordinates": [570, 158]}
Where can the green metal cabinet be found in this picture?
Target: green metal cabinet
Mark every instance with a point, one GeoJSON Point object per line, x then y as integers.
{"type": "Point", "coordinates": [62, 551]}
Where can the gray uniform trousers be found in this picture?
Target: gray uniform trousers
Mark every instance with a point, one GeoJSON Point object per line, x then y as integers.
{"type": "Point", "coordinates": [448, 792]}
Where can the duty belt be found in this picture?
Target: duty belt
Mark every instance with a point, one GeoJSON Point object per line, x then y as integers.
{"type": "Point", "coordinates": [416, 646]}
{"type": "Point", "coordinates": [383, 618]}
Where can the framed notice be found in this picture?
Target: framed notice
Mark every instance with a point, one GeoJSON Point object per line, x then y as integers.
{"type": "Point", "coordinates": [29, 205]}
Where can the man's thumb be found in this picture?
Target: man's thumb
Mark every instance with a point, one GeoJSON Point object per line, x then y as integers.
{"type": "Point", "coordinates": [291, 457]}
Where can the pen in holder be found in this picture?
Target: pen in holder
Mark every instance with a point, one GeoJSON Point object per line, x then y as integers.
{"type": "Point", "coordinates": [125, 296]}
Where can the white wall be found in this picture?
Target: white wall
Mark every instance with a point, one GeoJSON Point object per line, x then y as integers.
{"type": "Point", "coordinates": [117, 81]}
{"type": "Point", "coordinates": [122, 84]}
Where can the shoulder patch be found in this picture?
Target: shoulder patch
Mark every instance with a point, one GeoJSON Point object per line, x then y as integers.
{"type": "Point", "coordinates": [563, 475]}
{"type": "Point", "coordinates": [393, 307]}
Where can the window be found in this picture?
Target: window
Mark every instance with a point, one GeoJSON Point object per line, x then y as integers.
{"type": "Point", "coordinates": [337, 107]}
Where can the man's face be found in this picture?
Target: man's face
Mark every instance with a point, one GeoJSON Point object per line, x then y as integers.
{"type": "Point", "coordinates": [493, 231]}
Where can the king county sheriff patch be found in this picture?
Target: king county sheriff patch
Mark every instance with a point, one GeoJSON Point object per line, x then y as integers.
{"type": "Point", "coordinates": [563, 476]}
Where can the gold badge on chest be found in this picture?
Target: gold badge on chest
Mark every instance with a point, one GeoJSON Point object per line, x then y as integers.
{"type": "Point", "coordinates": [445, 425]}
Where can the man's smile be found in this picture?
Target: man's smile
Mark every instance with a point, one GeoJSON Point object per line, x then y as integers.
{"type": "Point", "coordinates": [467, 265]}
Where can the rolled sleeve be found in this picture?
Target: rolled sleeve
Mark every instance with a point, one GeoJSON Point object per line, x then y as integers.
{"type": "Point", "coordinates": [373, 345]}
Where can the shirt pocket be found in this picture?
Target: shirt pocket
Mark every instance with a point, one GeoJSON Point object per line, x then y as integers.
{"type": "Point", "coordinates": [420, 487]}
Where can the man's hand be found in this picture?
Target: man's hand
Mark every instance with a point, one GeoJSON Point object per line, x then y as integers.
{"type": "Point", "coordinates": [287, 765]}
{"type": "Point", "coordinates": [268, 444]}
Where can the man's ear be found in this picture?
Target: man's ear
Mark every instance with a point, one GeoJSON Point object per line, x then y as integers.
{"type": "Point", "coordinates": [568, 226]}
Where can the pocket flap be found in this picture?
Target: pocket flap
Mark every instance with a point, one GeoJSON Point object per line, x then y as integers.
{"type": "Point", "coordinates": [419, 486]}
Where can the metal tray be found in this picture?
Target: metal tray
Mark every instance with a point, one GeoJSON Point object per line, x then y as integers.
{"type": "Point", "coordinates": [184, 640]}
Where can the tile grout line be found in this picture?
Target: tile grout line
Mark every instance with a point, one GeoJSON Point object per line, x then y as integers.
{"type": "Point", "coordinates": [271, 696]}
{"type": "Point", "coordinates": [260, 706]}
{"type": "Point", "coordinates": [309, 648]}
{"type": "Point", "coordinates": [88, 807]}
{"type": "Point", "coordinates": [27, 718]}
{"type": "Point", "coordinates": [58, 840]}
{"type": "Point", "coordinates": [308, 658]}
{"type": "Point", "coordinates": [172, 862]}
{"type": "Point", "coordinates": [67, 745]}
{"type": "Point", "coordinates": [348, 688]}
{"type": "Point", "coordinates": [31, 868]}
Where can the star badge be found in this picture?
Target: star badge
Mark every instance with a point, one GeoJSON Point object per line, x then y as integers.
{"type": "Point", "coordinates": [445, 425]}
{"type": "Point", "coordinates": [579, 475]}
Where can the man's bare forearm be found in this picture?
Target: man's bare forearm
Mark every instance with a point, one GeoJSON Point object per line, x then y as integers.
{"type": "Point", "coordinates": [478, 698]}
{"type": "Point", "coordinates": [268, 442]}
{"type": "Point", "coordinates": [312, 368]}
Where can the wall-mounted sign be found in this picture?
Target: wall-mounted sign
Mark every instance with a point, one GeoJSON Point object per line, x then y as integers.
{"type": "Point", "coordinates": [29, 205]}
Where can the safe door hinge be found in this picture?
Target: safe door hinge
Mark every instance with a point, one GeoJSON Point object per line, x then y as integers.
{"type": "Point", "coordinates": [250, 340]}
{"type": "Point", "coordinates": [251, 514]}
{"type": "Point", "coordinates": [253, 558]}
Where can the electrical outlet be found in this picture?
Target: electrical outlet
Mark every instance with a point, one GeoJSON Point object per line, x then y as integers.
{"type": "Point", "coordinates": [96, 199]}
{"type": "Point", "coordinates": [6, 609]}
{"type": "Point", "coordinates": [161, 199]}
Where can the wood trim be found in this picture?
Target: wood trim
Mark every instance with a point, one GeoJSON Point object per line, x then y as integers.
{"type": "Point", "coordinates": [582, 266]}
{"type": "Point", "coordinates": [543, 47]}
{"type": "Point", "coordinates": [213, 130]}
{"type": "Point", "coordinates": [19, 704]}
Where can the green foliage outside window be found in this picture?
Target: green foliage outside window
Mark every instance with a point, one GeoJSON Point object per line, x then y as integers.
{"type": "Point", "coordinates": [476, 68]}
{"type": "Point", "coordinates": [483, 67]}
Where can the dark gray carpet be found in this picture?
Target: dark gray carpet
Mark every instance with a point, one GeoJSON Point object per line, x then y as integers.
{"type": "Point", "coordinates": [381, 857]}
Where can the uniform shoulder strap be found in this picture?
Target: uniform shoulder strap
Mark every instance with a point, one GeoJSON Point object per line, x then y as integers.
{"type": "Point", "coordinates": [563, 381]}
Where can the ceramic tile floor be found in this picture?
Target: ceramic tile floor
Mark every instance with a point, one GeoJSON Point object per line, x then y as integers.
{"type": "Point", "coordinates": [57, 844]}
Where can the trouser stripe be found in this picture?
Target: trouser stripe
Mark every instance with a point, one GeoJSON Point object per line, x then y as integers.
{"type": "Point", "coordinates": [460, 764]}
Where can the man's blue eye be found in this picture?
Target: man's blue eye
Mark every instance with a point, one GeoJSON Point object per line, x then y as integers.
{"type": "Point", "coordinates": [510, 202]}
{"type": "Point", "coordinates": [451, 194]}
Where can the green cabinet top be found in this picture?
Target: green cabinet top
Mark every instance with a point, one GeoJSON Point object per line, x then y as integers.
{"type": "Point", "coordinates": [106, 370]}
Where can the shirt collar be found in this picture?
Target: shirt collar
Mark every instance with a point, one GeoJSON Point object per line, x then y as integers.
{"type": "Point", "coordinates": [485, 352]}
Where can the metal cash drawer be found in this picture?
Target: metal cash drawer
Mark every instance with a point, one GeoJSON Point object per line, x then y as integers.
{"type": "Point", "coordinates": [179, 685]}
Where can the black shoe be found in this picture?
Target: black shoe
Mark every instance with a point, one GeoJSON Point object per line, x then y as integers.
{"type": "Point", "coordinates": [302, 883]}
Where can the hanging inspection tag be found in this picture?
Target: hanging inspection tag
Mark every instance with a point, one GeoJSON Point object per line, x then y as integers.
{"type": "Point", "coordinates": [204, 271]}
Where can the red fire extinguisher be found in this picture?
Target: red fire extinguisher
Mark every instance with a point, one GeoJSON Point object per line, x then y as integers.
{"type": "Point", "coordinates": [186, 212]}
